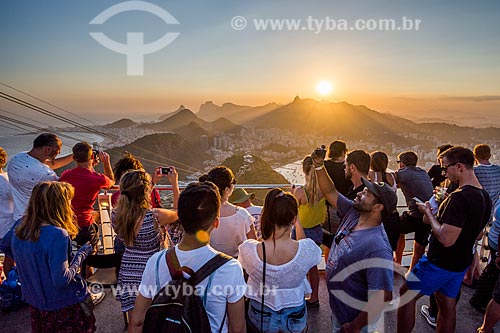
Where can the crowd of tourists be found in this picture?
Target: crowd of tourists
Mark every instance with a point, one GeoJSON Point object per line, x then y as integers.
{"type": "Point", "coordinates": [253, 268]}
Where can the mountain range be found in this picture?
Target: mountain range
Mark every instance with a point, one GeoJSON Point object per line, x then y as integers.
{"type": "Point", "coordinates": [308, 116]}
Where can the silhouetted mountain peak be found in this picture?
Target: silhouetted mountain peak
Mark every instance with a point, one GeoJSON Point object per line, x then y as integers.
{"type": "Point", "coordinates": [207, 107]}
{"type": "Point", "coordinates": [122, 123]}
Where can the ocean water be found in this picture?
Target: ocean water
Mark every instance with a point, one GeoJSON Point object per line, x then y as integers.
{"type": "Point", "coordinates": [14, 144]}
{"type": "Point", "coordinates": [292, 172]}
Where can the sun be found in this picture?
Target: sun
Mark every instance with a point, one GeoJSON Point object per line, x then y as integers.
{"type": "Point", "coordinates": [324, 88]}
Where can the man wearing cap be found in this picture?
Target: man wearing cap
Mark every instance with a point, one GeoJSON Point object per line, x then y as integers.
{"type": "Point", "coordinates": [361, 248]}
{"type": "Point", "coordinates": [242, 198]}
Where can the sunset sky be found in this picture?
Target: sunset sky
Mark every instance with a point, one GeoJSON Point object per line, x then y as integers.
{"type": "Point", "coordinates": [450, 64]}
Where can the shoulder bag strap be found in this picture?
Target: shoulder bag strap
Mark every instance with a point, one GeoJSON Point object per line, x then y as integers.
{"type": "Point", "coordinates": [263, 287]}
{"type": "Point", "coordinates": [211, 266]}
{"type": "Point", "coordinates": [158, 271]}
{"type": "Point", "coordinates": [206, 270]}
{"type": "Point", "coordinates": [174, 267]}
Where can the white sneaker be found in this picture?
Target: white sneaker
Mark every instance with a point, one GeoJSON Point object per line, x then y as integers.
{"type": "Point", "coordinates": [98, 297]}
{"type": "Point", "coordinates": [424, 310]}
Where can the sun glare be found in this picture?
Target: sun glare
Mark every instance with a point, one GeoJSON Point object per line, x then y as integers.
{"type": "Point", "coordinates": [324, 88]}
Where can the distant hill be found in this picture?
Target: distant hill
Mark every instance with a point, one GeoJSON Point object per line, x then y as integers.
{"type": "Point", "coordinates": [257, 171]}
{"type": "Point", "coordinates": [236, 113]}
{"type": "Point", "coordinates": [122, 123]}
{"type": "Point", "coordinates": [337, 119]}
{"type": "Point", "coordinates": [185, 120]}
{"type": "Point", "coordinates": [164, 149]}
{"type": "Point", "coordinates": [191, 132]}
{"type": "Point", "coordinates": [180, 118]}
{"type": "Point", "coordinates": [169, 114]}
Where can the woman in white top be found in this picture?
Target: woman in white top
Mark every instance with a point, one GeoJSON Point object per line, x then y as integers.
{"type": "Point", "coordinates": [236, 224]}
{"type": "Point", "coordinates": [378, 170]}
{"type": "Point", "coordinates": [287, 264]}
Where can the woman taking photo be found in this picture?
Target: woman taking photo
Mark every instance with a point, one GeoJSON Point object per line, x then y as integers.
{"type": "Point", "coordinates": [58, 295]}
{"type": "Point", "coordinates": [312, 210]}
{"type": "Point", "coordinates": [141, 228]}
{"type": "Point", "coordinates": [286, 263]}
{"type": "Point", "coordinates": [236, 224]}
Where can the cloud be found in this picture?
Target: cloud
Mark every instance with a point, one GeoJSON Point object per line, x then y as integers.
{"type": "Point", "coordinates": [485, 98]}
{"type": "Point", "coordinates": [481, 98]}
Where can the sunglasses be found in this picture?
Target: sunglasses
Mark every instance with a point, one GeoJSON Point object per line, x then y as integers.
{"type": "Point", "coordinates": [445, 167]}
{"type": "Point", "coordinates": [342, 235]}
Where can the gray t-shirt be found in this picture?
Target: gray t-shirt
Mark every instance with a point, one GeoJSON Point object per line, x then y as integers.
{"type": "Point", "coordinates": [414, 182]}
{"type": "Point", "coordinates": [367, 253]}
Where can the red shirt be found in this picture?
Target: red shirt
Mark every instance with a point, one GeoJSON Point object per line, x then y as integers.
{"type": "Point", "coordinates": [87, 185]}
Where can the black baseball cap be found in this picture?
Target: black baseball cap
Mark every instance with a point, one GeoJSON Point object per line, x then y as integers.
{"type": "Point", "coordinates": [384, 193]}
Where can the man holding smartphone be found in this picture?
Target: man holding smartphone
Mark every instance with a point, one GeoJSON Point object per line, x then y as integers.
{"type": "Point", "coordinates": [460, 219]}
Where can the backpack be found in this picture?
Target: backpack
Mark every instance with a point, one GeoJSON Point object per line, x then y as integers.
{"type": "Point", "coordinates": [175, 308]}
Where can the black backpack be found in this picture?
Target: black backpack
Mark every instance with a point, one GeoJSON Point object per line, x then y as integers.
{"type": "Point", "coordinates": [173, 310]}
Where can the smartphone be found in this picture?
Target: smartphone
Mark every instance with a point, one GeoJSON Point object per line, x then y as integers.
{"type": "Point", "coordinates": [165, 170]}
{"type": "Point", "coordinates": [417, 200]}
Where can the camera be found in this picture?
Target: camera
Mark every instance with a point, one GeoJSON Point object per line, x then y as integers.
{"type": "Point", "coordinates": [165, 170]}
{"type": "Point", "coordinates": [320, 152]}
{"type": "Point", "coordinates": [95, 155]}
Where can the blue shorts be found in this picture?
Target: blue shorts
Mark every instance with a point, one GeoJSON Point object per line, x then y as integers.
{"type": "Point", "coordinates": [432, 278]}
{"type": "Point", "coordinates": [314, 233]}
{"type": "Point", "coordinates": [292, 319]}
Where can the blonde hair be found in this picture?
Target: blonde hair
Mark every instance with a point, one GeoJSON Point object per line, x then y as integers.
{"type": "Point", "coordinates": [3, 157]}
{"type": "Point", "coordinates": [135, 199]}
{"type": "Point", "coordinates": [311, 187]}
{"type": "Point", "coordinates": [50, 203]}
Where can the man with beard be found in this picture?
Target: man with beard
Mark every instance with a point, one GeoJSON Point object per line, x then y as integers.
{"type": "Point", "coordinates": [27, 169]}
{"type": "Point", "coordinates": [361, 246]}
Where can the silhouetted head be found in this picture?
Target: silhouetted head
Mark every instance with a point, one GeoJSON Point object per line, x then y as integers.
{"type": "Point", "coordinates": [280, 210]}
{"type": "Point", "coordinates": [198, 206]}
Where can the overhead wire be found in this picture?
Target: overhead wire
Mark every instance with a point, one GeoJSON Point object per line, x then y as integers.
{"type": "Point", "coordinates": [53, 115]}
{"type": "Point", "coordinates": [48, 103]}
{"type": "Point", "coordinates": [64, 119]}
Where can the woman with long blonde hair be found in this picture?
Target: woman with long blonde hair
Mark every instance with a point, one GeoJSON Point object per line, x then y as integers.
{"type": "Point", "coordinates": [312, 210]}
{"type": "Point", "coordinates": [141, 228]}
{"type": "Point", "coordinates": [42, 250]}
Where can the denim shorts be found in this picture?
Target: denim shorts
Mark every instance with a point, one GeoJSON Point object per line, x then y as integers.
{"type": "Point", "coordinates": [432, 278]}
{"type": "Point", "coordinates": [293, 319]}
{"type": "Point", "coordinates": [314, 233]}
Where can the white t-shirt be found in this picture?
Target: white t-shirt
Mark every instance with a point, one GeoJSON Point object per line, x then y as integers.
{"type": "Point", "coordinates": [287, 283]}
{"type": "Point", "coordinates": [6, 205]}
{"type": "Point", "coordinates": [232, 231]}
{"type": "Point", "coordinates": [226, 283]}
{"type": "Point", "coordinates": [24, 173]}
{"type": "Point", "coordinates": [256, 212]}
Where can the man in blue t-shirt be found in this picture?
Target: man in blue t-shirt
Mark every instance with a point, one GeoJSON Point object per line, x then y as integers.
{"type": "Point", "coordinates": [359, 267]}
